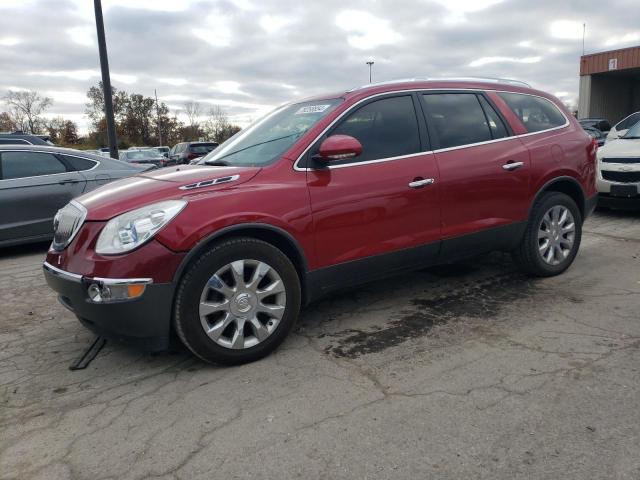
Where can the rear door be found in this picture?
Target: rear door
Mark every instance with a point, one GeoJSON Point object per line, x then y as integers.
{"type": "Point", "coordinates": [484, 170]}
{"type": "Point", "coordinates": [366, 206]}
{"type": "Point", "coordinates": [33, 187]}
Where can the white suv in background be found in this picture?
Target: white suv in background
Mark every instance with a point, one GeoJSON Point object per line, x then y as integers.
{"type": "Point", "coordinates": [618, 180]}
{"type": "Point", "coordinates": [620, 128]}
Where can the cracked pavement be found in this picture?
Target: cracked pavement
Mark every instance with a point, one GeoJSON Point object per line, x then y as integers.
{"type": "Point", "coordinates": [468, 370]}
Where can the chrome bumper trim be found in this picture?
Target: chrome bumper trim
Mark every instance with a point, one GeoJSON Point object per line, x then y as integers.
{"type": "Point", "coordinates": [74, 277]}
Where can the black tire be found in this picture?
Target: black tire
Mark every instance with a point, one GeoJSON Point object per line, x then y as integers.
{"type": "Point", "coordinates": [186, 310]}
{"type": "Point", "coordinates": [527, 255]}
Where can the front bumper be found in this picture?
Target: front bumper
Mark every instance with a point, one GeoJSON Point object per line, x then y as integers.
{"type": "Point", "coordinates": [144, 321]}
{"type": "Point", "coordinates": [623, 203]}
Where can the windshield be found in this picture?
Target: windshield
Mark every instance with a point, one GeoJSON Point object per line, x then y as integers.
{"type": "Point", "coordinates": [268, 138]}
{"type": "Point", "coordinates": [633, 132]}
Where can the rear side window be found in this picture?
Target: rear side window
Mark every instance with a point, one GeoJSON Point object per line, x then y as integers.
{"type": "Point", "coordinates": [386, 128]}
{"type": "Point", "coordinates": [457, 119]}
{"type": "Point", "coordinates": [80, 164]}
{"type": "Point", "coordinates": [202, 147]}
{"type": "Point", "coordinates": [29, 164]}
{"type": "Point", "coordinates": [535, 113]}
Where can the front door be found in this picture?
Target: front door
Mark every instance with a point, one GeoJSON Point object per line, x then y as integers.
{"type": "Point", "coordinates": [382, 203]}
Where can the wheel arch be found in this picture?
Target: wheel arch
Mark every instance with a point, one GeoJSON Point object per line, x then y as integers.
{"type": "Point", "coordinates": [275, 236]}
{"type": "Point", "coordinates": [567, 185]}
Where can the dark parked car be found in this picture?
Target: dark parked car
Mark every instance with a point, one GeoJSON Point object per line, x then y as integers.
{"type": "Point", "coordinates": [146, 156]}
{"type": "Point", "coordinates": [186, 151]}
{"type": "Point", "coordinates": [598, 123]}
{"type": "Point", "coordinates": [319, 195]}
{"type": "Point", "coordinates": [19, 138]}
{"type": "Point", "coordinates": [36, 181]}
{"type": "Point", "coordinates": [596, 134]}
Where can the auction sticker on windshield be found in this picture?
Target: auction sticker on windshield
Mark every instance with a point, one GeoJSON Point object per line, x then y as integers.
{"type": "Point", "coordinates": [312, 109]}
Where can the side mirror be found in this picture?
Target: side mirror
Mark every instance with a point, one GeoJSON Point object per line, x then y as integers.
{"type": "Point", "coordinates": [338, 147]}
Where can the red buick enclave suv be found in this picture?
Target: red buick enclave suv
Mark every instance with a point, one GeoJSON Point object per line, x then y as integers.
{"type": "Point", "coordinates": [321, 194]}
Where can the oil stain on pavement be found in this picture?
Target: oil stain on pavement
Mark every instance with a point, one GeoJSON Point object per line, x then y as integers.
{"type": "Point", "coordinates": [482, 299]}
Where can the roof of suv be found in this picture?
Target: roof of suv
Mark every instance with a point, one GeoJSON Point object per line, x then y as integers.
{"type": "Point", "coordinates": [433, 83]}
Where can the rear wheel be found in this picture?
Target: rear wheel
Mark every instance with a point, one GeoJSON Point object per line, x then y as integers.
{"type": "Point", "coordinates": [552, 237]}
{"type": "Point", "coordinates": [238, 302]}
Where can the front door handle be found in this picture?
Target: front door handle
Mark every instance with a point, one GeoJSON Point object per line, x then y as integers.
{"type": "Point", "coordinates": [421, 182]}
{"type": "Point", "coordinates": [511, 165]}
{"type": "Point", "coordinates": [64, 182]}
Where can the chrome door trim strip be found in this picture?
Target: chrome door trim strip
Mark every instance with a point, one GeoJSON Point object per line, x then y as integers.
{"type": "Point", "coordinates": [413, 90]}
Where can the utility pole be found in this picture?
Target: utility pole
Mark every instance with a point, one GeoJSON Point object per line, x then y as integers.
{"type": "Point", "coordinates": [158, 115]}
{"type": "Point", "coordinates": [584, 32]}
{"type": "Point", "coordinates": [370, 63]}
{"type": "Point", "coordinates": [106, 81]}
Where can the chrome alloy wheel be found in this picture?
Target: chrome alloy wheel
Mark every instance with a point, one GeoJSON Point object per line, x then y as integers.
{"type": "Point", "coordinates": [242, 304]}
{"type": "Point", "coordinates": [556, 235]}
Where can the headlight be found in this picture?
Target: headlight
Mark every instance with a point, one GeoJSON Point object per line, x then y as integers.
{"type": "Point", "coordinates": [132, 229]}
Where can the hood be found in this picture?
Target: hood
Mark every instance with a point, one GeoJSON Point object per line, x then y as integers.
{"type": "Point", "coordinates": [152, 186]}
{"type": "Point", "coordinates": [620, 148]}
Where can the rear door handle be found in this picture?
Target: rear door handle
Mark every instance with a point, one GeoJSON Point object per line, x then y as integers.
{"type": "Point", "coordinates": [511, 165]}
{"type": "Point", "coordinates": [422, 182]}
{"type": "Point", "coordinates": [64, 182]}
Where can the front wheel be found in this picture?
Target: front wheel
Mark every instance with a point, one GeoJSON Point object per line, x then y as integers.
{"type": "Point", "coordinates": [552, 237]}
{"type": "Point", "coordinates": [237, 302]}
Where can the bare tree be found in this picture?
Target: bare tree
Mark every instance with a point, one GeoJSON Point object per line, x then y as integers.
{"type": "Point", "coordinates": [7, 124]}
{"type": "Point", "coordinates": [192, 110]}
{"type": "Point", "coordinates": [26, 108]}
{"type": "Point", "coordinates": [217, 123]}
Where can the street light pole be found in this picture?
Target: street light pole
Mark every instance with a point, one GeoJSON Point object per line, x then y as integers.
{"type": "Point", "coordinates": [370, 63]}
{"type": "Point", "coordinates": [106, 81]}
{"type": "Point", "coordinates": [158, 116]}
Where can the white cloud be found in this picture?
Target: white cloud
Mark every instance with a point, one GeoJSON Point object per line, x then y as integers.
{"type": "Point", "coordinates": [9, 41]}
{"type": "Point", "coordinates": [176, 82]}
{"type": "Point", "coordinates": [174, 98]}
{"type": "Point", "coordinates": [82, 35]}
{"type": "Point", "coordinates": [561, 94]}
{"type": "Point", "coordinates": [626, 38]}
{"type": "Point", "coordinates": [366, 30]}
{"type": "Point", "coordinates": [66, 96]}
{"type": "Point", "coordinates": [525, 44]}
{"type": "Point", "coordinates": [274, 23]}
{"type": "Point", "coordinates": [219, 36]}
{"type": "Point", "coordinates": [84, 75]}
{"type": "Point", "coordinates": [566, 29]}
{"type": "Point", "coordinates": [487, 60]}
{"type": "Point", "coordinates": [229, 87]}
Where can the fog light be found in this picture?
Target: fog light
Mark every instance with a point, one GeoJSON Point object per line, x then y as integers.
{"type": "Point", "coordinates": [100, 291]}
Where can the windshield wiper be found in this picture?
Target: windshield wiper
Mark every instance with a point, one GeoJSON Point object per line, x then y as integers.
{"type": "Point", "coordinates": [254, 145]}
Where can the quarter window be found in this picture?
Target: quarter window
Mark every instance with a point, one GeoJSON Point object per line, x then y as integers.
{"type": "Point", "coordinates": [457, 119]}
{"type": "Point", "coordinates": [535, 113]}
{"type": "Point", "coordinates": [29, 164]}
{"type": "Point", "coordinates": [386, 128]}
{"type": "Point", "coordinates": [80, 164]}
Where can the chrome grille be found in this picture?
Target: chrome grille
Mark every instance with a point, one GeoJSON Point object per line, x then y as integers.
{"type": "Point", "coordinates": [66, 224]}
{"type": "Point", "coordinates": [621, 160]}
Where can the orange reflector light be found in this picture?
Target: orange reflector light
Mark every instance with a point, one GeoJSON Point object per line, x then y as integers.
{"type": "Point", "coordinates": [135, 290]}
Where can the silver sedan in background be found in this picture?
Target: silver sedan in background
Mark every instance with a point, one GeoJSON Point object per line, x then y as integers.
{"type": "Point", "coordinates": [36, 181]}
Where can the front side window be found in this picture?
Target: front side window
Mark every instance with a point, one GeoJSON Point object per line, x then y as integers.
{"type": "Point", "coordinates": [535, 113]}
{"type": "Point", "coordinates": [29, 164]}
{"type": "Point", "coordinates": [386, 128]}
{"type": "Point", "coordinates": [268, 138]}
{"type": "Point", "coordinates": [457, 119]}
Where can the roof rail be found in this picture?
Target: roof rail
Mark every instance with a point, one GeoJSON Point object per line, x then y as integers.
{"type": "Point", "coordinates": [504, 81]}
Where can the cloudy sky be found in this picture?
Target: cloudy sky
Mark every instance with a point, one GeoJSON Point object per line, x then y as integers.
{"type": "Point", "coordinates": [250, 55]}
